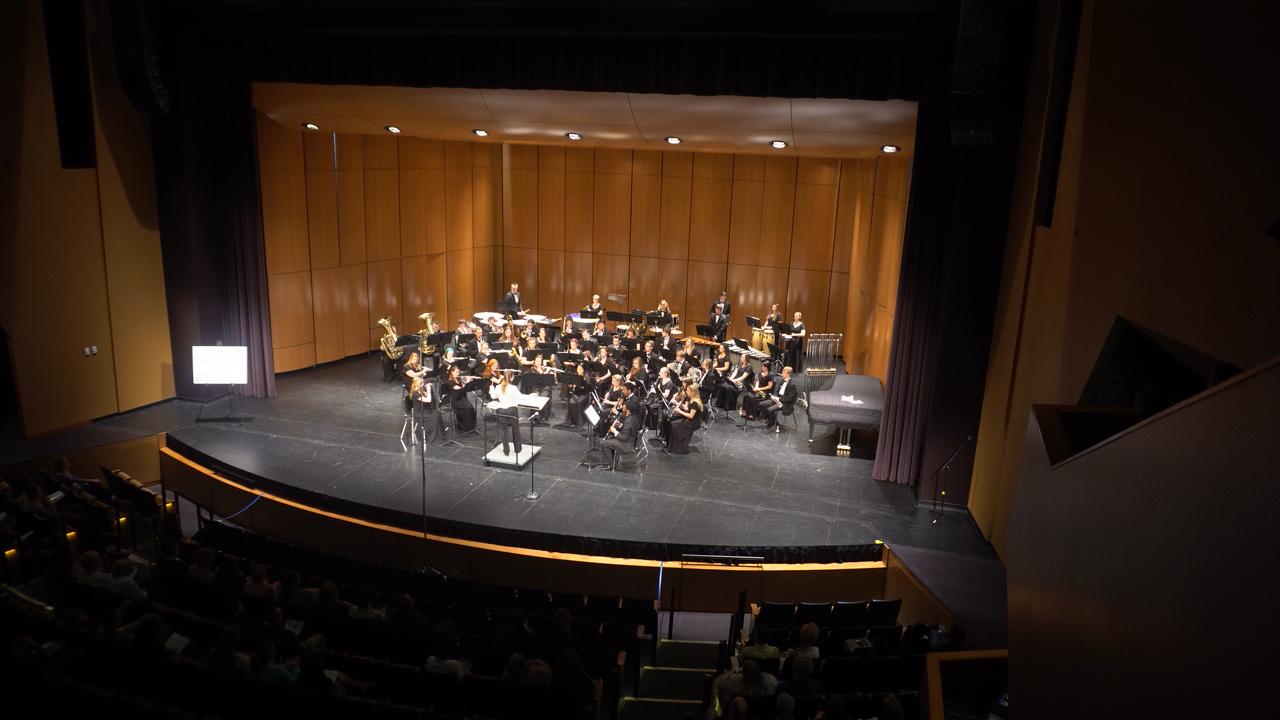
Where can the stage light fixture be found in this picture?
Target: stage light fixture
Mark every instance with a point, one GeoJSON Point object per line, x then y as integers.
{"type": "Point", "coordinates": [778, 144]}
{"type": "Point", "coordinates": [673, 140]}
{"type": "Point", "coordinates": [311, 126]}
{"type": "Point", "coordinates": [890, 149]}
{"type": "Point", "coordinates": [573, 135]}
{"type": "Point", "coordinates": [393, 129]}
{"type": "Point", "coordinates": [480, 133]}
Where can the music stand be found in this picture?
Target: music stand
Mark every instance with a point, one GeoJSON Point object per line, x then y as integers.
{"type": "Point", "coordinates": [704, 331]}
{"type": "Point", "coordinates": [753, 321]}
{"type": "Point", "coordinates": [591, 314]}
{"type": "Point", "coordinates": [615, 316]}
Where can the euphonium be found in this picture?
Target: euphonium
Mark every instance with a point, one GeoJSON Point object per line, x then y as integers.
{"type": "Point", "coordinates": [388, 341]}
{"type": "Point", "coordinates": [428, 327]}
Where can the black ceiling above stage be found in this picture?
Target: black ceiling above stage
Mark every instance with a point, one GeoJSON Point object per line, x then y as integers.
{"type": "Point", "coordinates": [861, 49]}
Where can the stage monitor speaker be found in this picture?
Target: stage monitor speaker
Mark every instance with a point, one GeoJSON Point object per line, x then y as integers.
{"type": "Point", "coordinates": [137, 63]}
{"type": "Point", "coordinates": [64, 34]}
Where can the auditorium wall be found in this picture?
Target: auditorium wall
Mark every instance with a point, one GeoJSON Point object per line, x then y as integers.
{"type": "Point", "coordinates": [1166, 188]}
{"type": "Point", "coordinates": [452, 224]}
{"type": "Point", "coordinates": [81, 252]}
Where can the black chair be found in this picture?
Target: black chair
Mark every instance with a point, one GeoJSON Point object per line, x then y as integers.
{"type": "Point", "coordinates": [883, 612]}
{"type": "Point", "coordinates": [777, 615]}
{"type": "Point", "coordinates": [818, 613]}
{"type": "Point", "coordinates": [849, 614]}
{"type": "Point", "coordinates": [885, 641]}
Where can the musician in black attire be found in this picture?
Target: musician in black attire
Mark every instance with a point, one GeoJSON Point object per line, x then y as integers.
{"type": "Point", "coordinates": [719, 323]}
{"type": "Point", "coordinates": [773, 319]}
{"type": "Point", "coordinates": [685, 419]}
{"type": "Point", "coordinates": [795, 344]}
{"type": "Point", "coordinates": [784, 399]}
{"type": "Point", "coordinates": [759, 391]}
{"type": "Point", "coordinates": [455, 390]}
{"type": "Point", "coordinates": [595, 306]}
{"type": "Point", "coordinates": [681, 365]}
{"type": "Point", "coordinates": [511, 301]}
{"type": "Point", "coordinates": [652, 357]}
{"type": "Point", "coordinates": [665, 340]}
{"type": "Point", "coordinates": [579, 397]}
{"type": "Point", "coordinates": [722, 303]}
{"type": "Point", "coordinates": [737, 381]}
{"type": "Point", "coordinates": [663, 315]}
{"type": "Point", "coordinates": [624, 439]}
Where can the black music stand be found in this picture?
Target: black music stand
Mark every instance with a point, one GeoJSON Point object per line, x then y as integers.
{"type": "Point", "coordinates": [590, 314]}
{"type": "Point", "coordinates": [753, 321]}
{"type": "Point", "coordinates": [704, 331]}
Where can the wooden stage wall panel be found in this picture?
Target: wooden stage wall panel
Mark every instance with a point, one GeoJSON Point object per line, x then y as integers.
{"type": "Point", "coordinates": [364, 227]}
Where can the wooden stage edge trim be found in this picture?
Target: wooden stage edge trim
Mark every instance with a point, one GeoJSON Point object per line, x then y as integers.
{"type": "Point", "coordinates": [521, 551]}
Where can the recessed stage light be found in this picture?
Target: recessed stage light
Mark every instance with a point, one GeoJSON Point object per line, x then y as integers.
{"type": "Point", "coordinates": [480, 133]}
{"type": "Point", "coordinates": [393, 129]}
{"type": "Point", "coordinates": [573, 135]}
{"type": "Point", "coordinates": [891, 149]}
{"type": "Point", "coordinates": [778, 144]}
{"type": "Point", "coordinates": [673, 140]}
{"type": "Point", "coordinates": [311, 126]}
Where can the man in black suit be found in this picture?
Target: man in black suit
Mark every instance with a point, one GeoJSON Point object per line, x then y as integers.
{"type": "Point", "coordinates": [722, 303]}
{"type": "Point", "coordinates": [511, 301]}
{"type": "Point", "coordinates": [624, 439]}
{"type": "Point", "coordinates": [719, 323]}
{"type": "Point", "coordinates": [787, 394]}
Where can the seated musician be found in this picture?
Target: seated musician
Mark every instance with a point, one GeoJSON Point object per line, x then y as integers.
{"type": "Point", "coordinates": [601, 332]}
{"type": "Point", "coordinates": [719, 323]}
{"type": "Point", "coordinates": [614, 396]}
{"type": "Point", "coordinates": [422, 392]}
{"type": "Point", "coordinates": [631, 399]}
{"type": "Point", "coordinates": [575, 348]}
{"type": "Point", "coordinates": [685, 418]}
{"type": "Point", "coordinates": [509, 336]}
{"type": "Point", "coordinates": [736, 381]}
{"type": "Point", "coordinates": [615, 345]}
{"type": "Point", "coordinates": [723, 364]}
{"type": "Point", "coordinates": [681, 365]}
{"type": "Point", "coordinates": [691, 351]}
{"type": "Point", "coordinates": [412, 369]}
{"type": "Point", "coordinates": [449, 358]}
{"type": "Point", "coordinates": [529, 351]}
{"type": "Point", "coordinates": [482, 356]}
{"type": "Point", "coordinates": [491, 325]}
{"type": "Point", "coordinates": [579, 397]}
{"type": "Point", "coordinates": [783, 399]}
{"type": "Point", "coordinates": [710, 378]}
{"type": "Point", "coordinates": [759, 392]}
{"type": "Point", "coordinates": [652, 357]}
{"type": "Point", "coordinates": [594, 306]}
{"type": "Point", "coordinates": [663, 314]}
{"type": "Point", "coordinates": [665, 339]}
{"type": "Point", "coordinates": [609, 372]}
{"type": "Point", "coordinates": [491, 371]}
{"type": "Point", "coordinates": [463, 334]}
{"type": "Point", "coordinates": [637, 376]}
{"type": "Point", "coordinates": [630, 334]}
{"type": "Point", "coordinates": [622, 436]}
{"type": "Point", "coordinates": [455, 390]}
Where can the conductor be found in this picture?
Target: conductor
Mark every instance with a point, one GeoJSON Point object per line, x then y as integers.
{"type": "Point", "coordinates": [511, 301]}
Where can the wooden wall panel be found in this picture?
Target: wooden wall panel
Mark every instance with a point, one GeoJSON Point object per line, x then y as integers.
{"type": "Point", "coordinates": [458, 154]}
{"type": "Point", "coordinates": [818, 171]}
{"type": "Point", "coordinates": [613, 162]}
{"type": "Point", "coordinates": [706, 280]}
{"type": "Point", "coordinates": [837, 302]}
{"type": "Point", "coordinates": [413, 211]}
{"type": "Point", "coordinates": [384, 291]}
{"type": "Point", "coordinates": [291, 313]}
{"type": "Point", "coordinates": [524, 157]}
{"type": "Point", "coordinates": [322, 218]}
{"type": "Point", "coordinates": [485, 203]}
{"type": "Point", "coordinates": [318, 151]}
{"type": "Point", "coordinates": [611, 226]}
{"type": "Point", "coordinates": [551, 300]}
{"type": "Point", "coordinates": [673, 278]}
{"type": "Point", "coordinates": [709, 216]}
{"type": "Point", "coordinates": [643, 283]}
{"type": "Point", "coordinates": [349, 151]}
{"type": "Point", "coordinates": [520, 265]}
{"type": "Point", "coordinates": [744, 220]}
{"type": "Point", "coordinates": [813, 228]}
{"type": "Point", "coordinates": [354, 305]}
{"type": "Point", "coordinates": [713, 165]}
{"type": "Point", "coordinates": [327, 300]}
{"type": "Point", "coordinates": [484, 294]}
{"type": "Point", "coordinates": [677, 164]}
{"type": "Point", "coordinates": [284, 221]}
{"type": "Point", "coordinates": [853, 217]}
{"type": "Point", "coordinates": [740, 281]}
{"type": "Point", "coordinates": [888, 238]}
{"type": "Point", "coordinates": [646, 215]}
{"type": "Point", "coordinates": [776, 211]}
{"type": "Point", "coordinates": [434, 208]}
{"type": "Point", "coordinates": [578, 281]}
{"type": "Point", "coordinates": [549, 158]}
{"type": "Point", "coordinates": [677, 193]}
{"type": "Point", "coordinates": [351, 248]}
{"type": "Point", "coordinates": [293, 358]}
{"type": "Point", "coordinates": [381, 213]}
{"type": "Point", "coordinates": [380, 152]}
{"type": "Point", "coordinates": [419, 153]}
{"type": "Point", "coordinates": [279, 147]}
{"type": "Point", "coordinates": [422, 289]}
{"type": "Point", "coordinates": [780, 169]}
{"type": "Point", "coordinates": [460, 285]}
{"type": "Point", "coordinates": [609, 274]}
{"type": "Point", "coordinates": [807, 292]}
{"type": "Point", "coordinates": [646, 162]}
{"type": "Point", "coordinates": [551, 208]}
{"type": "Point", "coordinates": [578, 159]}
{"type": "Point", "coordinates": [579, 208]}
{"type": "Point", "coordinates": [458, 209]}
{"type": "Point", "coordinates": [748, 167]}
{"type": "Point", "coordinates": [522, 205]}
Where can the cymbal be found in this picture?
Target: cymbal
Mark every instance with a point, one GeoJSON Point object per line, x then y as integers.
{"type": "Point", "coordinates": [483, 316]}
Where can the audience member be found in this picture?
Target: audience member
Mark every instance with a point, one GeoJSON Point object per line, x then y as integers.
{"type": "Point", "coordinates": [738, 709]}
{"type": "Point", "coordinates": [786, 706]}
{"type": "Point", "coordinates": [759, 649]}
{"type": "Point", "coordinates": [521, 672]}
{"type": "Point", "coordinates": [802, 683]}
{"type": "Point", "coordinates": [259, 585]}
{"type": "Point", "coordinates": [402, 612]}
{"type": "Point", "coordinates": [225, 658]}
{"type": "Point", "coordinates": [808, 647]}
{"type": "Point", "coordinates": [292, 593]}
{"type": "Point", "coordinates": [891, 709]}
{"type": "Point", "coordinates": [832, 709]}
{"type": "Point", "coordinates": [362, 605]}
{"type": "Point", "coordinates": [748, 681]}
{"type": "Point", "coordinates": [91, 571]}
{"type": "Point", "coordinates": [264, 668]}
{"type": "Point", "coordinates": [202, 565]}
{"type": "Point", "coordinates": [516, 633]}
{"type": "Point", "coordinates": [561, 632]}
{"type": "Point", "coordinates": [122, 580]}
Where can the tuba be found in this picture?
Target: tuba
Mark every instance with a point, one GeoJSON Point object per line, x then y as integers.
{"type": "Point", "coordinates": [428, 327]}
{"type": "Point", "coordinates": [388, 341]}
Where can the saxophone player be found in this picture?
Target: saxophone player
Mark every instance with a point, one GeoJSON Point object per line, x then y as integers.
{"type": "Point", "coordinates": [759, 393]}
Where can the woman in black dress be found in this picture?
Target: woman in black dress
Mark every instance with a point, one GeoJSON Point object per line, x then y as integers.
{"type": "Point", "coordinates": [463, 410]}
{"type": "Point", "coordinates": [685, 416]}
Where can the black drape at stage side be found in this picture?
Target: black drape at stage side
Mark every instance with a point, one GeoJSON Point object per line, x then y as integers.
{"type": "Point", "coordinates": [211, 228]}
{"type": "Point", "coordinates": [914, 356]}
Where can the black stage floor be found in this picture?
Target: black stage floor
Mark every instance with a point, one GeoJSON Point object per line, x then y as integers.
{"type": "Point", "coordinates": [332, 436]}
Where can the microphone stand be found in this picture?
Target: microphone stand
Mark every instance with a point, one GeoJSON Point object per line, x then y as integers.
{"type": "Point", "coordinates": [940, 480]}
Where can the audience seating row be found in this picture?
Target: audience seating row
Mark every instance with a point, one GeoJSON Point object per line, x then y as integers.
{"type": "Point", "coordinates": [860, 613]}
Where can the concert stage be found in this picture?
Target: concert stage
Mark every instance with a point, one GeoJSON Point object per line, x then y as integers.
{"type": "Point", "coordinates": [331, 439]}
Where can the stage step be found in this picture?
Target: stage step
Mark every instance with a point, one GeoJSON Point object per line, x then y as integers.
{"type": "Point", "coordinates": [633, 708]}
{"type": "Point", "coordinates": [688, 653]}
{"type": "Point", "coordinates": [674, 683]}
